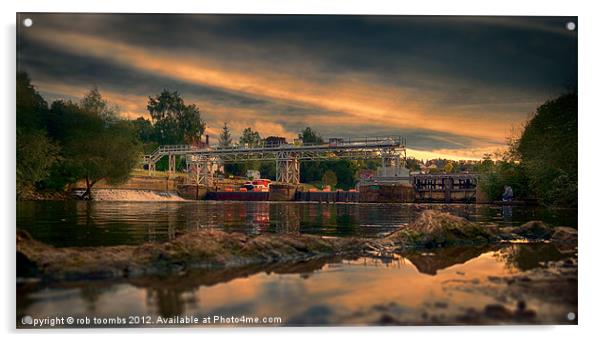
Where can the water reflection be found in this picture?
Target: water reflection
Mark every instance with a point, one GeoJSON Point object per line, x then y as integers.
{"type": "Point", "coordinates": [442, 258]}
{"type": "Point", "coordinates": [77, 223]}
{"type": "Point", "coordinates": [529, 256]}
{"type": "Point", "coordinates": [320, 291]}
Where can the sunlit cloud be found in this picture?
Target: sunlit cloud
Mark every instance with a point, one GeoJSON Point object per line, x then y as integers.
{"type": "Point", "coordinates": [449, 95]}
{"type": "Point", "coordinates": [363, 102]}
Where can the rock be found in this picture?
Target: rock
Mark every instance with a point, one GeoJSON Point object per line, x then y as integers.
{"type": "Point", "coordinates": [387, 319]}
{"type": "Point", "coordinates": [507, 234]}
{"type": "Point", "coordinates": [208, 249]}
{"type": "Point", "coordinates": [438, 229]}
{"type": "Point", "coordinates": [565, 235]}
{"type": "Point", "coordinates": [534, 230]}
{"type": "Point", "coordinates": [196, 250]}
{"type": "Point", "coordinates": [497, 312]}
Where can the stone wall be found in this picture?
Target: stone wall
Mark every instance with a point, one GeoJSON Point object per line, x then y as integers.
{"type": "Point", "coordinates": [282, 192]}
{"type": "Point", "coordinates": [391, 193]}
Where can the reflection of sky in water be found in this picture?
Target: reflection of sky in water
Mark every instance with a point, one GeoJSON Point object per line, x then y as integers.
{"type": "Point", "coordinates": [314, 292]}
{"type": "Point", "coordinates": [337, 293]}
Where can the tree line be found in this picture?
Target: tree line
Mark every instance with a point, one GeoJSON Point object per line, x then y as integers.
{"type": "Point", "coordinates": [87, 140]}
{"type": "Point", "coordinates": [541, 163]}
{"type": "Point", "coordinates": [70, 141]}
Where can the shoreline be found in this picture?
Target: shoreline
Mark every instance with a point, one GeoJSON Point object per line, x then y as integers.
{"type": "Point", "coordinates": [213, 249]}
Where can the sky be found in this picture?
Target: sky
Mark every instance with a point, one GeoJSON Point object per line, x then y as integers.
{"type": "Point", "coordinates": [454, 87]}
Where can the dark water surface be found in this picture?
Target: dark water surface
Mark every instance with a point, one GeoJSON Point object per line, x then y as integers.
{"type": "Point", "coordinates": [416, 288]}
{"type": "Point", "coordinates": [78, 223]}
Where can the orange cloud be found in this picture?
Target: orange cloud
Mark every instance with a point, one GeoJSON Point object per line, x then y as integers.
{"type": "Point", "coordinates": [361, 99]}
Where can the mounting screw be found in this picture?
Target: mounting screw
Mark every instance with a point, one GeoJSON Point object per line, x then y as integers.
{"type": "Point", "coordinates": [571, 26]}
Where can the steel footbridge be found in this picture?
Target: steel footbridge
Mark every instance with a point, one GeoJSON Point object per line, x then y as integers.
{"type": "Point", "coordinates": [201, 162]}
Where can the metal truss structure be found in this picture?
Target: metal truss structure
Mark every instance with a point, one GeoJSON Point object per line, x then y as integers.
{"type": "Point", "coordinates": [287, 156]}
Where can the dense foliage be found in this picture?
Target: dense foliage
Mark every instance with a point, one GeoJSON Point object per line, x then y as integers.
{"type": "Point", "coordinates": [548, 151]}
{"type": "Point", "coordinates": [542, 162]}
{"type": "Point", "coordinates": [36, 152]}
{"type": "Point", "coordinates": [174, 121]}
{"type": "Point", "coordinates": [70, 141]}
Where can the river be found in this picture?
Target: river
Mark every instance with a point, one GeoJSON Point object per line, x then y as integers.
{"type": "Point", "coordinates": [452, 285]}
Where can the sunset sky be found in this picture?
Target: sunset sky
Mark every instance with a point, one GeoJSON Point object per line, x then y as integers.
{"type": "Point", "coordinates": [452, 86]}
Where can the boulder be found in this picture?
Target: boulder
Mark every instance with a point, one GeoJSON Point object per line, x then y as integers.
{"type": "Point", "coordinates": [565, 236]}
{"type": "Point", "coordinates": [534, 230]}
{"type": "Point", "coordinates": [438, 229]}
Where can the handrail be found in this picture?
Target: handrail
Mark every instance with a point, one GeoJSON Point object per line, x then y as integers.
{"type": "Point", "coordinates": [329, 143]}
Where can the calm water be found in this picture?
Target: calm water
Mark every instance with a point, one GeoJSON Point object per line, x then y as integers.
{"type": "Point", "coordinates": [77, 223]}
{"type": "Point", "coordinates": [417, 287]}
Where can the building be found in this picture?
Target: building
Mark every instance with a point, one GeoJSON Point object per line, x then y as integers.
{"type": "Point", "coordinates": [273, 141]}
{"type": "Point", "coordinates": [253, 174]}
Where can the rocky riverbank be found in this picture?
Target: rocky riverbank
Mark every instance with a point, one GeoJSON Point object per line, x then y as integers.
{"type": "Point", "coordinates": [212, 249]}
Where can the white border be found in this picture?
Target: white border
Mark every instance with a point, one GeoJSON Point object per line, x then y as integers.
{"type": "Point", "coordinates": [590, 57]}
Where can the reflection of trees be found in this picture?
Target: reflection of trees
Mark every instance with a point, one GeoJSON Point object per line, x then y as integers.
{"type": "Point", "coordinates": [170, 294]}
{"type": "Point", "coordinates": [24, 300]}
{"type": "Point", "coordinates": [442, 258]}
{"type": "Point", "coordinates": [521, 256]}
{"type": "Point", "coordinates": [330, 219]}
{"type": "Point", "coordinates": [90, 293]}
{"type": "Point", "coordinates": [169, 302]}
{"type": "Point", "coordinates": [528, 256]}
{"type": "Point", "coordinates": [285, 218]}
{"type": "Point", "coordinates": [347, 220]}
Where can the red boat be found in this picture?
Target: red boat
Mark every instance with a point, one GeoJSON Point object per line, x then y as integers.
{"type": "Point", "coordinates": [257, 185]}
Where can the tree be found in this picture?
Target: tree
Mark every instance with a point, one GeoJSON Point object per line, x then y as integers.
{"type": "Point", "coordinates": [93, 149]}
{"type": "Point", "coordinates": [31, 106]}
{"type": "Point", "coordinates": [225, 138]}
{"type": "Point", "coordinates": [548, 150]}
{"type": "Point", "coordinates": [175, 122]}
{"type": "Point", "coordinates": [412, 164]}
{"type": "Point", "coordinates": [449, 167]}
{"type": "Point", "coordinates": [94, 103]}
{"type": "Point", "coordinates": [309, 136]}
{"type": "Point", "coordinates": [36, 152]}
{"type": "Point", "coordinates": [250, 138]}
{"type": "Point", "coordinates": [329, 178]}
{"type": "Point", "coordinates": [311, 171]}
{"type": "Point", "coordinates": [146, 134]}
{"type": "Point", "coordinates": [542, 162]}
{"type": "Point", "coordinates": [108, 154]}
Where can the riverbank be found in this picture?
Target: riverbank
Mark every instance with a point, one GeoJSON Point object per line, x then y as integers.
{"type": "Point", "coordinates": [209, 249]}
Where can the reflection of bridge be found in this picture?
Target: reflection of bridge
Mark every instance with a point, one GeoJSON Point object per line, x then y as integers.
{"type": "Point", "coordinates": [201, 161]}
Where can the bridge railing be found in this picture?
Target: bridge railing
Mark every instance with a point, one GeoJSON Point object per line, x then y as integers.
{"type": "Point", "coordinates": [349, 142]}
{"type": "Point", "coordinates": [332, 142]}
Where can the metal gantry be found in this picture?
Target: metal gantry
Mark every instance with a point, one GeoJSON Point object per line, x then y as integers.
{"type": "Point", "coordinates": [201, 161]}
